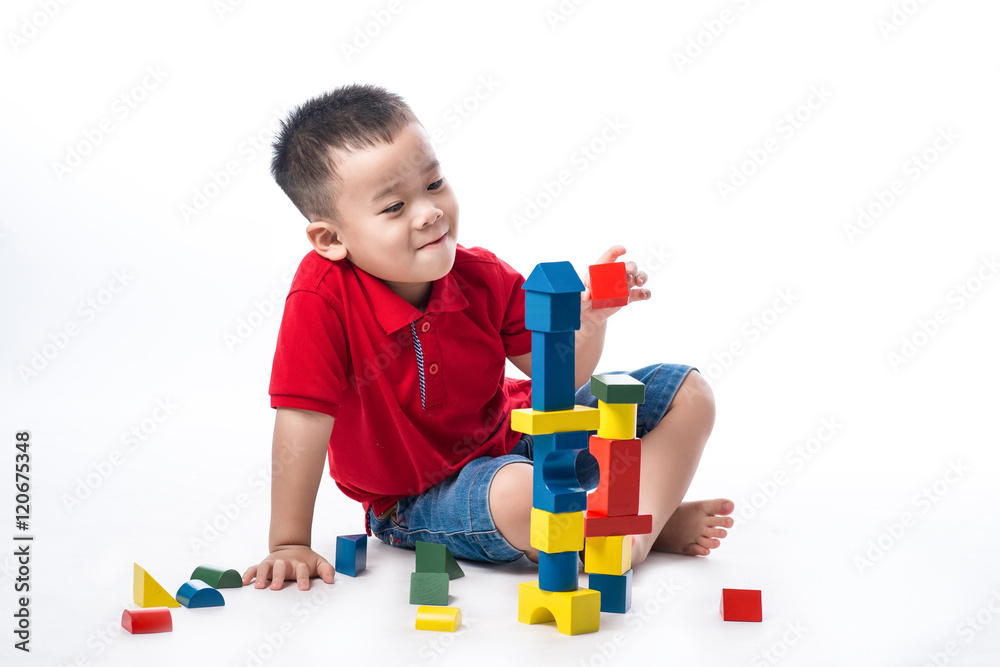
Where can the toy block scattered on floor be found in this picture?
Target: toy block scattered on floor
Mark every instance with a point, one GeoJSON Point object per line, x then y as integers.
{"type": "Point", "coordinates": [558, 571]}
{"type": "Point", "coordinates": [217, 577]}
{"type": "Point", "coordinates": [552, 386]}
{"type": "Point", "coordinates": [146, 592]}
{"type": "Point", "coordinates": [616, 421]}
{"type": "Point", "coordinates": [617, 388]}
{"type": "Point", "coordinates": [196, 594]}
{"type": "Point", "coordinates": [352, 554]}
{"type": "Point", "coordinates": [598, 525]}
{"type": "Point", "coordinates": [552, 297]}
{"type": "Point", "coordinates": [608, 285]}
{"type": "Point", "coordinates": [616, 591]}
{"type": "Point", "coordinates": [740, 604]}
{"type": "Point", "coordinates": [575, 612]}
{"type": "Point", "coordinates": [617, 492]}
{"type": "Point", "coordinates": [147, 621]}
{"type": "Point", "coordinates": [440, 619]}
{"type": "Point", "coordinates": [555, 533]}
{"type": "Point", "coordinates": [608, 555]}
{"type": "Point", "coordinates": [433, 557]}
{"type": "Point", "coordinates": [535, 422]}
{"type": "Point", "coordinates": [429, 588]}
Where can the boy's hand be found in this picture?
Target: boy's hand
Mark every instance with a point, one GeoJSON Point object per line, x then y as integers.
{"type": "Point", "coordinates": [636, 280]}
{"type": "Point", "coordinates": [291, 562]}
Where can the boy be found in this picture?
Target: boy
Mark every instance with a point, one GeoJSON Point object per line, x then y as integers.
{"type": "Point", "coordinates": [391, 357]}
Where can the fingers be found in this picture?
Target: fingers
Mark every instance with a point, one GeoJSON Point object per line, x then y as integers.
{"type": "Point", "coordinates": [262, 571]}
{"type": "Point", "coordinates": [278, 574]}
{"type": "Point", "coordinates": [611, 254]}
{"type": "Point", "coordinates": [302, 575]}
{"type": "Point", "coordinates": [325, 570]}
{"type": "Point", "coordinates": [249, 574]}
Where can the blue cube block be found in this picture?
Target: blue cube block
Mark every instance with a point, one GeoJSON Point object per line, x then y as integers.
{"type": "Point", "coordinates": [558, 572]}
{"type": "Point", "coordinates": [352, 554]}
{"type": "Point", "coordinates": [562, 497]}
{"type": "Point", "coordinates": [553, 370]}
{"type": "Point", "coordinates": [551, 312]}
{"type": "Point", "coordinates": [616, 591]}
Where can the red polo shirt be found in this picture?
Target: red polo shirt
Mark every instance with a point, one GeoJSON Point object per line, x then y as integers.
{"type": "Point", "coordinates": [415, 396]}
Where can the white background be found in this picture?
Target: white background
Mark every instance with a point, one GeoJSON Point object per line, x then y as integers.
{"type": "Point", "coordinates": [116, 303]}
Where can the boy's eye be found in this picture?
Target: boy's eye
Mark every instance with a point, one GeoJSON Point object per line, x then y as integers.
{"type": "Point", "coordinates": [436, 184]}
{"type": "Point", "coordinates": [393, 208]}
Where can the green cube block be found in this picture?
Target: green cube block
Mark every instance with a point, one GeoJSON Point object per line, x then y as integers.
{"type": "Point", "coordinates": [429, 588]}
{"type": "Point", "coordinates": [617, 388]}
{"type": "Point", "coordinates": [433, 557]}
{"type": "Point", "coordinates": [217, 577]}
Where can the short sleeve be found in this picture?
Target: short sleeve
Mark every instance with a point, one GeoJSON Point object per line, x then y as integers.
{"type": "Point", "coordinates": [309, 362]}
{"type": "Point", "coordinates": [516, 339]}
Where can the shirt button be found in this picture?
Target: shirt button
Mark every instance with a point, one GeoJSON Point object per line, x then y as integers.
{"type": "Point", "coordinates": [425, 327]}
{"type": "Point", "coordinates": [433, 369]}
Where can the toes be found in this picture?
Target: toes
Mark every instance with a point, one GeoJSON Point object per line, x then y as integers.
{"type": "Point", "coordinates": [696, 550]}
{"type": "Point", "coordinates": [719, 506]}
{"type": "Point", "coordinates": [708, 542]}
{"type": "Point", "coordinates": [720, 522]}
{"type": "Point", "coordinates": [715, 532]}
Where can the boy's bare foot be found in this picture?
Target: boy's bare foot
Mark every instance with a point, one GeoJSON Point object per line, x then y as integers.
{"type": "Point", "coordinates": [695, 528]}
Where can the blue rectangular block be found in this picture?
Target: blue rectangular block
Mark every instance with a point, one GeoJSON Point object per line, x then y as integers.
{"type": "Point", "coordinates": [352, 554]}
{"type": "Point", "coordinates": [558, 572]}
{"type": "Point", "coordinates": [553, 370]}
{"type": "Point", "coordinates": [551, 312]}
{"type": "Point", "coordinates": [616, 591]}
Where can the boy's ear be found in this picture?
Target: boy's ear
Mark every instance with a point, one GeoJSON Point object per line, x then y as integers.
{"type": "Point", "coordinates": [327, 240]}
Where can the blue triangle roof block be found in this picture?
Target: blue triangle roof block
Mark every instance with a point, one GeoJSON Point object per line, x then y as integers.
{"type": "Point", "coordinates": [553, 278]}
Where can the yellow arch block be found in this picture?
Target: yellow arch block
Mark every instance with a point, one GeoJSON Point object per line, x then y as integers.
{"type": "Point", "coordinates": [146, 592]}
{"type": "Point", "coordinates": [539, 422]}
{"type": "Point", "coordinates": [556, 533]}
{"type": "Point", "coordinates": [608, 555]}
{"type": "Point", "coordinates": [575, 612]}
{"type": "Point", "coordinates": [442, 619]}
{"type": "Point", "coordinates": [617, 420]}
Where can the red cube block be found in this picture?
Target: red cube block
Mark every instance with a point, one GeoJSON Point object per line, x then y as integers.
{"type": "Point", "coordinates": [740, 605]}
{"type": "Point", "coordinates": [608, 285]}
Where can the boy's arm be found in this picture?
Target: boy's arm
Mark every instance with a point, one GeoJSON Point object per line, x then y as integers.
{"type": "Point", "coordinates": [297, 460]}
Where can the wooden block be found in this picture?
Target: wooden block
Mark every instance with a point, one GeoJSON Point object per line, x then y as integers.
{"type": "Point", "coordinates": [146, 592]}
{"type": "Point", "coordinates": [599, 525]}
{"type": "Point", "coordinates": [617, 492]}
{"type": "Point", "coordinates": [561, 496]}
{"type": "Point", "coordinates": [558, 571]}
{"type": "Point", "coordinates": [617, 388]}
{"type": "Point", "coordinates": [195, 594]}
{"type": "Point", "coordinates": [608, 285]}
{"type": "Point", "coordinates": [551, 312]}
{"type": "Point", "coordinates": [440, 619]}
{"type": "Point", "coordinates": [555, 533]}
{"type": "Point", "coordinates": [608, 555]}
{"type": "Point", "coordinates": [147, 621]}
{"type": "Point", "coordinates": [616, 591]}
{"type": "Point", "coordinates": [553, 370]}
{"type": "Point", "coordinates": [217, 577]}
{"type": "Point", "coordinates": [352, 554]}
{"type": "Point", "coordinates": [433, 557]}
{"type": "Point", "coordinates": [617, 420]}
{"type": "Point", "coordinates": [574, 612]}
{"type": "Point", "coordinates": [535, 422]}
{"type": "Point", "coordinates": [429, 588]}
{"type": "Point", "coordinates": [740, 604]}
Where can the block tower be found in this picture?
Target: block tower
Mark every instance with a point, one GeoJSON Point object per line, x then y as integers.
{"type": "Point", "coordinates": [559, 428]}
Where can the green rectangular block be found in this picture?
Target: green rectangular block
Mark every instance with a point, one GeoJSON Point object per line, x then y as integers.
{"type": "Point", "coordinates": [617, 388]}
{"type": "Point", "coordinates": [429, 588]}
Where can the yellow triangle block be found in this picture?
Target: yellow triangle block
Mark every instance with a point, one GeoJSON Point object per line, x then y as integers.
{"type": "Point", "coordinates": [147, 592]}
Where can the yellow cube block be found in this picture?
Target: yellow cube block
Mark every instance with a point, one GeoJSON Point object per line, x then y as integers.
{"type": "Point", "coordinates": [608, 555]}
{"type": "Point", "coordinates": [539, 422]}
{"type": "Point", "coordinates": [575, 612]}
{"type": "Point", "coordinates": [556, 533]}
{"type": "Point", "coordinates": [441, 619]}
{"type": "Point", "coordinates": [617, 420]}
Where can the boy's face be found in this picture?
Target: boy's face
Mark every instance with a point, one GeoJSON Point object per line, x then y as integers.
{"type": "Point", "coordinates": [398, 216]}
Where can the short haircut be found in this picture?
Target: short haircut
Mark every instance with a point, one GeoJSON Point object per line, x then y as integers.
{"type": "Point", "coordinates": [351, 118]}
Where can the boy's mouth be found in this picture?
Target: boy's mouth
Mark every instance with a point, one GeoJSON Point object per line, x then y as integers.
{"type": "Point", "coordinates": [434, 243]}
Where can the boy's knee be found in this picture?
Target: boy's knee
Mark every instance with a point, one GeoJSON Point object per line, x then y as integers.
{"type": "Point", "coordinates": [511, 493]}
{"type": "Point", "coordinates": [696, 395]}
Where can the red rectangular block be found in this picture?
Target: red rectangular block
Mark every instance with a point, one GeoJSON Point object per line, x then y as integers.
{"type": "Point", "coordinates": [598, 525]}
{"type": "Point", "coordinates": [608, 285]}
{"type": "Point", "coordinates": [739, 604]}
{"type": "Point", "coordinates": [617, 494]}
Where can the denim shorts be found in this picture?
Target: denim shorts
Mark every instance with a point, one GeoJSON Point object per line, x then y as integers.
{"type": "Point", "coordinates": [456, 512]}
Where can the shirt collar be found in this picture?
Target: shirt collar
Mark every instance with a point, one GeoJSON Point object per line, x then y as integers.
{"type": "Point", "coordinates": [393, 312]}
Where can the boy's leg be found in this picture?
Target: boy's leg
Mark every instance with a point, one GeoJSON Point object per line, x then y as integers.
{"type": "Point", "coordinates": [510, 505]}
